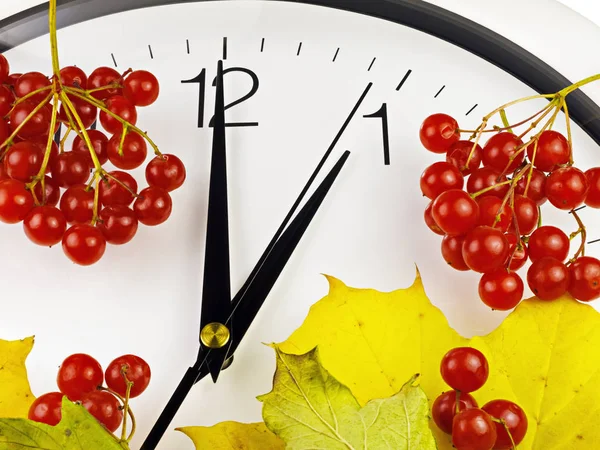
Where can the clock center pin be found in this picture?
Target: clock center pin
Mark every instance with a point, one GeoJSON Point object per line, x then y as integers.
{"type": "Point", "coordinates": [215, 335]}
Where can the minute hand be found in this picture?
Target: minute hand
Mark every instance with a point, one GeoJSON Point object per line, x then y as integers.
{"type": "Point", "coordinates": [247, 303]}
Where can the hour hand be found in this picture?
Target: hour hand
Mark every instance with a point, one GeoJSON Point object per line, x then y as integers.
{"type": "Point", "coordinates": [216, 290]}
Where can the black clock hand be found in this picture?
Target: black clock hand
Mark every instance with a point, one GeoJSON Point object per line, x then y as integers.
{"type": "Point", "coordinates": [216, 291]}
{"type": "Point", "coordinates": [253, 297]}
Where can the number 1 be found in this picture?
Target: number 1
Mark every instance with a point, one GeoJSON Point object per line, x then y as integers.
{"type": "Point", "coordinates": [382, 113]}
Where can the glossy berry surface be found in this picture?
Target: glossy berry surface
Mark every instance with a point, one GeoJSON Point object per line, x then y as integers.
{"type": "Point", "coordinates": [517, 252]}
{"type": "Point", "coordinates": [430, 222]}
{"type": "Point", "coordinates": [79, 374]}
{"type": "Point", "coordinates": [118, 223]}
{"type": "Point", "coordinates": [536, 189]}
{"type": "Point", "coordinates": [45, 225]}
{"type": "Point", "coordinates": [46, 408]}
{"type": "Point", "coordinates": [473, 429]}
{"type": "Point", "coordinates": [514, 418]}
{"type": "Point", "coordinates": [491, 209]}
{"type": "Point", "coordinates": [440, 177]}
{"type": "Point", "coordinates": [32, 81]}
{"type": "Point", "coordinates": [500, 152]}
{"type": "Point", "coordinates": [584, 275]}
{"type": "Point", "coordinates": [71, 168]}
{"type": "Point", "coordinates": [552, 151]}
{"type": "Point", "coordinates": [15, 201]}
{"type": "Point", "coordinates": [105, 408]}
{"type": "Point", "coordinates": [464, 369]}
{"type": "Point", "coordinates": [452, 252]}
{"type": "Point", "coordinates": [593, 196]}
{"type": "Point", "coordinates": [153, 206]}
{"type": "Point", "coordinates": [99, 143]}
{"type": "Point", "coordinates": [137, 371]}
{"type": "Point", "coordinates": [141, 88]}
{"type": "Point", "coordinates": [526, 213]}
{"type": "Point", "coordinates": [566, 188]}
{"type": "Point", "coordinates": [38, 124]}
{"type": "Point", "coordinates": [548, 278]}
{"type": "Point", "coordinates": [455, 212]}
{"type": "Point", "coordinates": [118, 192]}
{"type": "Point", "coordinates": [104, 76]}
{"type": "Point", "coordinates": [50, 195]}
{"type": "Point", "coordinates": [458, 155]}
{"type": "Point", "coordinates": [486, 177]}
{"type": "Point", "coordinates": [84, 244]}
{"type": "Point", "coordinates": [501, 290]}
{"type": "Point", "coordinates": [438, 132]}
{"type": "Point", "coordinates": [121, 107]}
{"type": "Point", "coordinates": [166, 171]}
{"type": "Point", "coordinates": [131, 155]}
{"type": "Point", "coordinates": [77, 204]}
{"type": "Point", "coordinates": [444, 408]}
{"type": "Point", "coordinates": [485, 249]}
{"type": "Point", "coordinates": [23, 161]}
{"type": "Point", "coordinates": [548, 241]}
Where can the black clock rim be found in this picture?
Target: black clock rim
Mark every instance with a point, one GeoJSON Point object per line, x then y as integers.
{"type": "Point", "coordinates": [417, 14]}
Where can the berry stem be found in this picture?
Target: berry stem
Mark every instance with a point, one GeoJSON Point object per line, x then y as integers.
{"type": "Point", "coordinates": [64, 139]}
{"type": "Point", "coordinates": [566, 91]}
{"type": "Point", "coordinates": [126, 407]}
{"type": "Point", "coordinates": [28, 96]}
{"type": "Point", "coordinates": [128, 410]}
{"type": "Point", "coordinates": [569, 135]}
{"type": "Point", "coordinates": [120, 183]}
{"type": "Point", "coordinates": [125, 130]}
{"type": "Point", "coordinates": [502, 421]}
{"type": "Point", "coordinates": [66, 101]}
{"type": "Point", "coordinates": [53, 39]}
{"type": "Point", "coordinates": [43, 103]}
{"type": "Point", "coordinates": [489, 188]}
{"type": "Point", "coordinates": [80, 93]}
{"type": "Point", "coordinates": [583, 232]}
{"type": "Point", "coordinates": [97, 179]}
{"type": "Point", "coordinates": [505, 121]}
{"type": "Point", "coordinates": [457, 402]}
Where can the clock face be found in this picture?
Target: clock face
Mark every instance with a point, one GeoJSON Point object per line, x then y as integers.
{"type": "Point", "coordinates": [293, 75]}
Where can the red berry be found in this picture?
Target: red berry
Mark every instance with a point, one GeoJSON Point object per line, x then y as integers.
{"type": "Point", "coordinates": [38, 124]}
{"type": "Point", "coordinates": [464, 369]}
{"type": "Point", "coordinates": [584, 273]}
{"type": "Point", "coordinates": [113, 193]}
{"type": "Point", "coordinates": [70, 168]}
{"type": "Point", "coordinates": [548, 241]}
{"type": "Point", "coordinates": [121, 107]}
{"type": "Point", "coordinates": [491, 208]}
{"type": "Point", "coordinates": [79, 374]}
{"type": "Point", "coordinates": [85, 110]}
{"type": "Point", "coordinates": [105, 408]}
{"type": "Point", "coordinates": [4, 132]}
{"type": "Point", "coordinates": [84, 244]}
{"type": "Point", "coordinates": [443, 409]}
{"type": "Point", "coordinates": [593, 196]}
{"type": "Point", "coordinates": [4, 175]}
{"type": "Point", "coordinates": [517, 250]}
{"type": "Point", "coordinates": [455, 212]}
{"type": "Point", "coordinates": [42, 142]}
{"type": "Point", "coordinates": [485, 249]}
{"type": "Point", "coordinates": [77, 204]}
{"type": "Point", "coordinates": [4, 69]}
{"type": "Point", "coordinates": [452, 252]}
{"type": "Point", "coordinates": [12, 79]}
{"type": "Point", "coordinates": [73, 76]}
{"type": "Point", "coordinates": [501, 290]}
{"type": "Point", "coordinates": [133, 152]}
{"type": "Point", "coordinates": [473, 429]}
{"type": "Point", "coordinates": [552, 151]}
{"type": "Point", "coordinates": [104, 76]}
{"type": "Point", "coordinates": [51, 196]}
{"type": "Point", "coordinates": [46, 408]}
{"type": "Point", "coordinates": [526, 213]}
{"type": "Point", "coordinates": [153, 206]}
{"type": "Point", "coordinates": [32, 81]}
{"type": "Point", "coordinates": [438, 132]}
{"type": "Point", "coordinates": [548, 278]}
{"type": "Point", "coordinates": [23, 161]}
{"type": "Point", "coordinates": [514, 418]}
{"type": "Point", "coordinates": [137, 371]}
{"type": "Point", "coordinates": [485, 177]}
{"type": "Point", "coordinates": [118, 223]}
{"type": "Point", "coordinates": [440, 177]}
{"type": "Point", "coordinates": [458, 154]}
{"type": "Point", "coordinates": [7, 99]}
{"type": "Point", "coordinates": [15, 201]}
{"type": "Point", "coordinates": [537, 186]}
{"type": "Point", "coordinates": [141, 88]}
{"type": "Point", "coordinates": [166, 171]}
{"type": "Point", "coordinates": [430, 222]}
{"type": "Point", "coordinates": [499, 149]}
{"type": "Point", "coordinates": [45, 225]}
{"type": "Point", "coordinates": [99, 143]}
{"type": "Point", "coordinates": [567, 188]}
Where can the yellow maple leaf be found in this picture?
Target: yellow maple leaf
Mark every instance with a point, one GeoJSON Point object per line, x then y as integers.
{"type": "Point", "coordinates": [234, 436]}
{"type": "Point", "coordinates": [545, 356]}
{"type": "Point", "coordinates": [15, 393]}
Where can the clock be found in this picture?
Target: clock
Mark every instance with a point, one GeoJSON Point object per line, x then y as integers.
{"type": "Point", "coordinates": [291, 87]}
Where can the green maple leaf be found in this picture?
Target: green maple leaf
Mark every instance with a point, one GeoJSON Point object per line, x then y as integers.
{"type": "Point", "coordinates": [310, 409]}
{"type": "Point", "coordinates": [77, 430]}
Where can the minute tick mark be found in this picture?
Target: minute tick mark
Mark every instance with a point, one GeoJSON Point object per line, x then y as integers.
{"type": "Point", "coordinates": [404, 78]}
{"type": "Point", "coordinates": [371, 65]}
{"type": "Point", "coordinates": [150, 50]}
{"type": "Point", "coordinates": [114, 60]}
{"type": "Point", "coordinates": [262, 45]}
{"type": "Point", "coordinates": [299, 48]}
{"type": "Point", "coordinates": [594, 241]}
{"type": "Point", "coordinates": [440, 91]}
{"type": "Point", "coordinates": [336, 53]}
{"type": "Point", "coordinates": [471, 110]}
{"type": "Point", "coordinates": [224, 48]}
{"type": "Point", "coordinates": [187, 45]}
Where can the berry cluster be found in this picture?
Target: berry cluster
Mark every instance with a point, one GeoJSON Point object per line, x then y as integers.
{"type": "Point", "coordinates": [80, 378]}
{"type": "Point", "coordinates": [66, 195]}
{"type": "Point", "coordinates": [498, 425]}
{"type": "Point", "coordinates": [486, 201]}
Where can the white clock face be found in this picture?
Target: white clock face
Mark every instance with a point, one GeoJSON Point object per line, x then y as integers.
{"type": "Point", "coordinates": [310, 66]}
